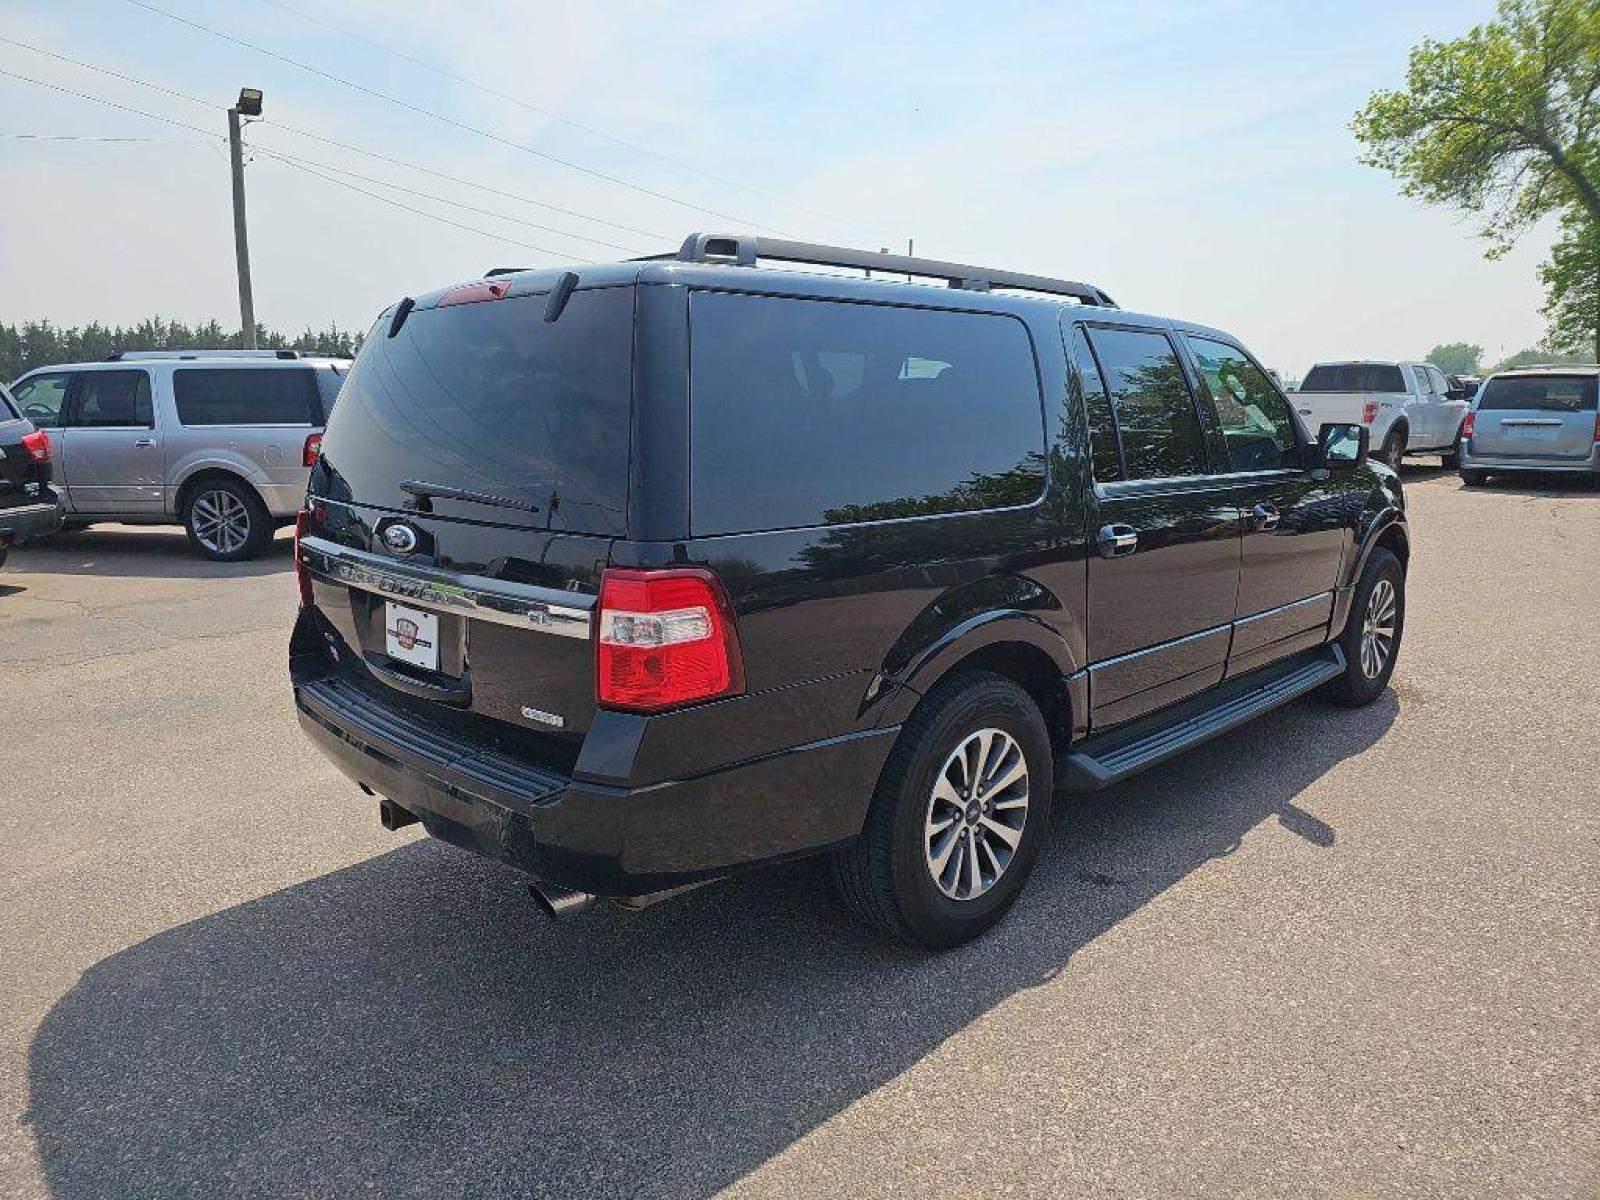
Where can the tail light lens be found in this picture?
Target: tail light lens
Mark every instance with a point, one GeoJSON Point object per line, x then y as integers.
{"type": "Point", "coordinates": [1369, 412]}
{"type": "Point", "coordinates": [1597, 426]}
{"type": "Point", "coordinates": [1466, 428]}
{"type": "Point", "coordinates": [666, 638]}
{"type": "Point", "coordinates": [302, 521]}
{"type": "Point", "coordinates": [37, 444]}
{"type": "Point", "coordinates": [312, 448]}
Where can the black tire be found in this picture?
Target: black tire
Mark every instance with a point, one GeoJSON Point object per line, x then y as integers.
{"type": "Point", "coordinates": [1393, 450]}
{"type": "Point", "coordinates": [1451, 458]}
{"type": "Point", "coordinates": [242, 505]}
{"type": "Point", "coordinates": [5, 552]}
{"type": "Point", "coordinates": [886, 878]}
{"type": "Point", "coordinates": [1358, 685]}
{"type": "Point", "coordinates": [1474, 478]}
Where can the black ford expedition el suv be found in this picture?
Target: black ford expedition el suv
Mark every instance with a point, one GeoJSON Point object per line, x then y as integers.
{"type": "Point", "coordinates": [650, 573]}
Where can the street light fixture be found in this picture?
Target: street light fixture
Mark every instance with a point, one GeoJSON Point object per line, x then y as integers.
{"type": "Point", "coordinates": [249, 102]}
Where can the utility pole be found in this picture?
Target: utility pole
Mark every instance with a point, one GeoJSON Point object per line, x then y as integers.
{"type": "Point", "coordinates": [249, 106]}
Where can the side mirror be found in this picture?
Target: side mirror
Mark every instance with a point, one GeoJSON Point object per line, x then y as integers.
{"type": "Point", "coordinates": [1342, 447]}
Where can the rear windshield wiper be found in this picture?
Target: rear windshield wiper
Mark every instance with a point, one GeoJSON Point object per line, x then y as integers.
{"type": "Point", "coordinates": [426, 491]}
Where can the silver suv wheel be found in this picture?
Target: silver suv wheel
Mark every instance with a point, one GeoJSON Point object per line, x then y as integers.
{"type": "Point", "coordinates": [1377, 629]}
{"type": "Point", "coordinates": [976, 814]}
{"type": "Point", "coordinates": [221, 521]}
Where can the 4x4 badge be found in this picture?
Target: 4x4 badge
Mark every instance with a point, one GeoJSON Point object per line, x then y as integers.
{"type": "Point", "coordinates": [401, 539]}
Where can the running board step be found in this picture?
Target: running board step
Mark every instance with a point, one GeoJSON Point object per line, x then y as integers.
{"type": "Point", "coordinates": [1112, 757]}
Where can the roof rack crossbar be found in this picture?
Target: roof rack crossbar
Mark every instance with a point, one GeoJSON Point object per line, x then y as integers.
{"type": "Point", "coordinates": [745, 251]}
{"type": "Point", "coordinates": [170, 355]}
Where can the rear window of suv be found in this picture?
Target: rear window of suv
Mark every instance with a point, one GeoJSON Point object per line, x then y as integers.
{"type": "Point", "coordinates": [245, 396]}
{"type": "Point", "coordinates": [490, 397]}
{"type": "Point", "coordinates": [1540, 393]}
{"type": "Point", "coordinates": [1353, 377]}
{"type": "Point", "coordinates": [817, 412]}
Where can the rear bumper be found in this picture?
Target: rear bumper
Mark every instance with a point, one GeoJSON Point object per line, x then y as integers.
{"type": "Point", "coordinates": [602, 837]}
{"type": "Point", "coordinates": [28, 521]}
{"type": "Point", "coordinates": [1473, 461]}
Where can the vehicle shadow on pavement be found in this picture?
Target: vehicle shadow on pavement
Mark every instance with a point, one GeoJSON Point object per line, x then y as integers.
{"type": "Point", "coordinates": [412, 1026]}
{"type": "Point", "coordinates": [158, 553]}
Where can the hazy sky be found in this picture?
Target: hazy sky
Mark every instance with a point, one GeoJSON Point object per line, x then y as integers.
{"type": "Point", "coordinates": [1191, 159]}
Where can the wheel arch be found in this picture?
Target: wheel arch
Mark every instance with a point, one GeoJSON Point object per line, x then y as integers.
{"type": "Point", "coordinates": [1018, 646]}
{"type": "Point", "coordinates": [207, 474]}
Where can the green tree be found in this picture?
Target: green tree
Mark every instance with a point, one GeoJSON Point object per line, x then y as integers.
{"type": "Point", "coordinates": [1571, 280]}
{"type": "Point", "coordinates": [39, 343]}
{"type": "Point", "coordinates": [1502, 123]}
{"type": "Point", "coordinates": [1534, 358]}
{"type": "Point", "coordinates": [1456, 358]}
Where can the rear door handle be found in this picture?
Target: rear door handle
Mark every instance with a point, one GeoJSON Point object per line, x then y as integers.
{"type": "Point", "coordinates": [1116, 541]}
{"type": "Point", "coordinates": [1264, 516]}
{"type": "Point", "coordinates": [145, 444]}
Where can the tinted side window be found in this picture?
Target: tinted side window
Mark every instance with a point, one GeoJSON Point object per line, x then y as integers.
{"type": "Point", "coordinates": [41, 396]}
{"type": "Point", "coordinates": [243, 396]}
{"type": "Point", "coordinates": [1424, 384]}
{"type": "Point", "coordinates": [8, 408]}
{"type": "Point", "coordinates": [1156, 416]}
{"type": "Point", "coordinates": [808, 412]}
{"type": "Point", "coordinates": [329, 380]}
{"type": "Point", "coordinates": [1255, 419]}
{"type": "Point", "coordinates": [1103, 449]}
{"type": "Point", "coordinates": [113, 399]}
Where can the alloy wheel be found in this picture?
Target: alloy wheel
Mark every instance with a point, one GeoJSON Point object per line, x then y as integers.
{"type": "Point", "coordinates": [221, 522]}
{"type": "Point", "coordinates": [976, 814]}
{"type": "Point", "coordinates": [1377, 629]}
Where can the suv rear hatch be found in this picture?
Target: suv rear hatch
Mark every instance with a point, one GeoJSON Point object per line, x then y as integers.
{"type": "Point", "coordinates": [1536, 417]}
{"type": "Point", "coordinates": [23, 475]}
{"type": "Point", "coordinates": [472, 479]}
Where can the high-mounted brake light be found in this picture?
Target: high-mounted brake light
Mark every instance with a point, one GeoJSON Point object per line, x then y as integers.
{"type": "Point", "coordinates": [37, 444]}
{"type": "Point", "coordinates": [312, 448]}
{"type": "Point", "coordinates": [302, 521]}
{"type": "Point", "coordinates": [473, 293]}
{"type": "Point", "coordinates": [665, 638]}
{"type": "Point", "coordinates": [1466, 428]}
{"type": "Point", "coordinates": [1369, 412]}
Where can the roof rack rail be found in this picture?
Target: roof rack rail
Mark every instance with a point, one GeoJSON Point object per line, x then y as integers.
{"type": "Point", "coordinates": [168, 355]}
{"type": "Point", "coordinates": [745, 250]}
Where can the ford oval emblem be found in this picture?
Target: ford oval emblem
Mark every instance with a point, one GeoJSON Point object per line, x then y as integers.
{"type": "Point", "coordinates": [400, 539]}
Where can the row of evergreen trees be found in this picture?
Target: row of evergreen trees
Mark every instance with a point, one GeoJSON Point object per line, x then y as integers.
{"type": "Point", "coordinates": [39, 343]}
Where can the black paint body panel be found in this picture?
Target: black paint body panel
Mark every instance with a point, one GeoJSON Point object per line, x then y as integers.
{"type": "Point", "coordinates": [844, 627]}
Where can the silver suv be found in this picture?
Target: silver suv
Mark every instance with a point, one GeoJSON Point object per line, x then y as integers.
{"type": "Point", "coordinates": [219, 441]}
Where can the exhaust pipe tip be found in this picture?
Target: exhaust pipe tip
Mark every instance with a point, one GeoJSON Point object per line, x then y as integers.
{"type": "Point", "coordinates": [558, 901]}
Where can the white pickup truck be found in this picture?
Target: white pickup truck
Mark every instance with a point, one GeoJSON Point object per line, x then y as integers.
{"type": "Point", "coordinates": [1410, 407]}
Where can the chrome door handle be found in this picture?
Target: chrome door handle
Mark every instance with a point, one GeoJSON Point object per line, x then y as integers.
{"type": "Point", "coordinates": [145, 444]}
{"type": "Point", "coordinates": [1115, 541]}
{"type": "Point", "coordinates": [1264, 516]}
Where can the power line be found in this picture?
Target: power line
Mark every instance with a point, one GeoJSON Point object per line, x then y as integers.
{"type": "Point", "coordinates": [138, 112]}
{"type": "Point", "coordinates": [541, 111]}
{"type": "Point", "coordinates": [486, 212]}
{"type": "Point", "coordinates": [79, 137]}
{"type": "Point", "coordinates": [144, 83]}
{"type": "Point", "coordinates": [442, 119]}
{"type": "Point", "coordinates": [431, 216]}
{"type": "Point", "coordinates": [476, 185]}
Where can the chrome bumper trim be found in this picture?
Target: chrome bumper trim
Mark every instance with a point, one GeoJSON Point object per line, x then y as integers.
{"type": "Point", "coordinates": [521, 605]}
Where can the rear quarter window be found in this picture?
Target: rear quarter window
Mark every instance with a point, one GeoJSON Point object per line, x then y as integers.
{"type": "Point", "coordinates": [245, 396]}
{"type": "Point", "coordinates": [818, 412]}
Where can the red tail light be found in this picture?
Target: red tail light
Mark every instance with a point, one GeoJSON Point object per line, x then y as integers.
{"type": "Point", "coordinates": [666, 638]}
{"type": "Point", "coordinates": [1466, 428]}
{"type": "Point", "coordinates": [37, 444]}
{"type": "Point", "coordinates": [1597, 426]}
{"type": "Point", "coordinates": [312, 448]}
{"type": "Point", "coordinates": [1369, 412]}
{"type": "Point", "coordinates": [302, 521]}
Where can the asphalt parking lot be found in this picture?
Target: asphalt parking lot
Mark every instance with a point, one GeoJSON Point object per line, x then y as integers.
{"type": "Point", "coordinates": [1337, 953]}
